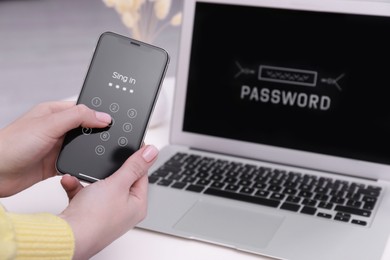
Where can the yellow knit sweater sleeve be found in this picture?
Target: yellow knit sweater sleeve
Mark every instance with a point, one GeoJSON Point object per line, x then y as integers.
{"type": "Point", "coordinates": [34, 236]}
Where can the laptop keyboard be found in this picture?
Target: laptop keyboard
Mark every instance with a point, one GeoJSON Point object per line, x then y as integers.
{"type": "Point", "coordinates": [322, 197]}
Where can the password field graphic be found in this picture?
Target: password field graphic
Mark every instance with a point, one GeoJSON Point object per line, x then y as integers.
{"type": "Point", "coordinates": [288, 75]}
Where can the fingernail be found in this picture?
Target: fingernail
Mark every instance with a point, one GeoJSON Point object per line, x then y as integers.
{"type": "Point", "coordinates": [150, 153]}
{"type": "Point", "coordinates": [103, 117]}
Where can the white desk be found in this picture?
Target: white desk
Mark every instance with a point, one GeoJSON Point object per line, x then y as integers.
{"type": "Point", "coordinates": [48, 196]}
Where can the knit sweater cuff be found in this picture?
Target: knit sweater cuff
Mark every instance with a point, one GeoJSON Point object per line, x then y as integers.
{"type": "Point", "coordinates": [42, 236]}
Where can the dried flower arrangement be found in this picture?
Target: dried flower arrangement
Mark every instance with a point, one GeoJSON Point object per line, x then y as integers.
{"type": "Point", "coordinates": [145, 18]}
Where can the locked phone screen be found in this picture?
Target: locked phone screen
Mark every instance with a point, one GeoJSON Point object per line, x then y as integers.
{"type": "Point", "coordinates": [123, 80]}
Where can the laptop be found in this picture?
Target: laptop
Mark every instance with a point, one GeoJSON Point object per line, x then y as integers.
{"type": "Point", "coordinates": [280, 133]}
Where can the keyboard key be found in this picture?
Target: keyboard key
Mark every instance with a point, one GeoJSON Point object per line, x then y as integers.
{"type": "Point", "coordinates": [277, 196]}
{"type": "Point", "coordinates": [325, 205]}
{"type": "Point", "coordinates": [290, 191]}
{"type": "Point", "coordinates": [355, 211]}
{"type": "Point", "coordinates": [369, 199]}
{"type": "Point", "coordinates": [359, 222]}
{"type": "Point", "coordinates": [218, 185]}
{"type": "Point", "coordinates": [369, 192]}
{"type": "Point", "coordinates": [247, 190]}
{"type": "Point", "coordinates": [179, 185]}
{"type": "Point", "coordinates": [262, 193]}
{"type": "Point", "coordinates": [245, 183]}
{"type": "Point", "coordinates": [231, 180]}
{"type": "Point", "coordinates": [274, 188]}
{"type": "Point", "coordinates": [203, 182]}
{"type": "Point", "coordinates": [369, 205]}
{"type": "Point", "coordinates": [308, 210]}
{"type": "Point", "coordinates": [306, 187]}
{"type": "Point", "coordinates": [195, 188]}
{"type": "Point", "coordinates": [293, 199]}
{"type": "Point", "coordinates": [175, 177]}
{"type": "Point", "coordinates": [342, 217]}
{"type": "Point", "coordinates": [260, 186]}
{"type": "Point", "coordinates": [164, 182]}
{"type": "Point", "coordinates": [290, 206]}
{"type": "Point", "coordinates": [337, 200]}
{"type": "Point", "coordinates": [232, 187]}
{"type": "Point", "coordinates": [354, 203]}
{"type": "Point", "coordinates": [153, 179]}
{"type": "Point", "coordinates": [160, 173]}
{"type": "Point", "coordinates": [324, 215]}
{"type": "Point", "coordinates": [216, 177]}
{"type": "Point", "coordinates": [321, 197]}
{"type": "Point", "coordinates": [321, 190]}
{"type": "Point", "coordinates": [371, 187]}
{"type": "Point", "coordinates": [291, 184]}
{"type": "Point", "coordinates": [305, 194]}
{"type": "Point", "coordinates": [242, 197]}
{"type": "Point", "coordinates": [202, 175]}
{"type": "Point", "coordinates": [309, 202]}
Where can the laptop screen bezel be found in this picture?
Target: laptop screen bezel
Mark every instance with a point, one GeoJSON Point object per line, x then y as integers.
{"type": "Point", "coordinates": [262, 152]}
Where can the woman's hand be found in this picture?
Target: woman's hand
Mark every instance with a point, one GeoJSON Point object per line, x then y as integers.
{"type": "Point", "coordinates": [29, 146]}
{"type": "Point", "coordinates": [105, 210]}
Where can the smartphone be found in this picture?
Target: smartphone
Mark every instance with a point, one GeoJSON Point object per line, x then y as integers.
{"type": "Point", "coordinates": [123, 79]}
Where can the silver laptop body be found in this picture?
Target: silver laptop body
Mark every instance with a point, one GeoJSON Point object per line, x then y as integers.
{"type": "Point", "coordinates": [287, 89]}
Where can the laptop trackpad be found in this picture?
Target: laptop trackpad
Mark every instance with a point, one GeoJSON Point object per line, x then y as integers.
{"type": "Point", "coordinates": [229, 225]}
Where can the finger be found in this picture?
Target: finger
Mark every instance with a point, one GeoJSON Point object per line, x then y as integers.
{"type": "Point", "coordinates": [57, 106]}
{"type": "Point", "coordinates": [71, 185]}
{"type": "Point", "coordinates": [75, 116]}
{"type": "Point", "coordinates": [138, 194]}
{"type": "Point", "coordinates": [140, 188]}
{"type": "Point", "coordinates": [50, 107]}
{"type": "Point", "coordinates": [135, 167]}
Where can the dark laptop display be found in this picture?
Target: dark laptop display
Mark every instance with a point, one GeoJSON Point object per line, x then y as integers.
{"type": "Point", "coordinates": [280, 130]}
{"type": "Point", "coordinates": [305, 80]}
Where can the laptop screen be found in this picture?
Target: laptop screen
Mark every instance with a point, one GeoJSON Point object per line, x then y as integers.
{"type": "Point", "coordinates": [304, 80]}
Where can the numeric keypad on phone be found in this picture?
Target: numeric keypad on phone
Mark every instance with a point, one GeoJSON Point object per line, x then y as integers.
{"type": "Point", "coordinates": [116, 112]}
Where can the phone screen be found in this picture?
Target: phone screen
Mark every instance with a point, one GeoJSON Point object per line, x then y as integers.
{"type": "Point", "coordinates": [123, 80]}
